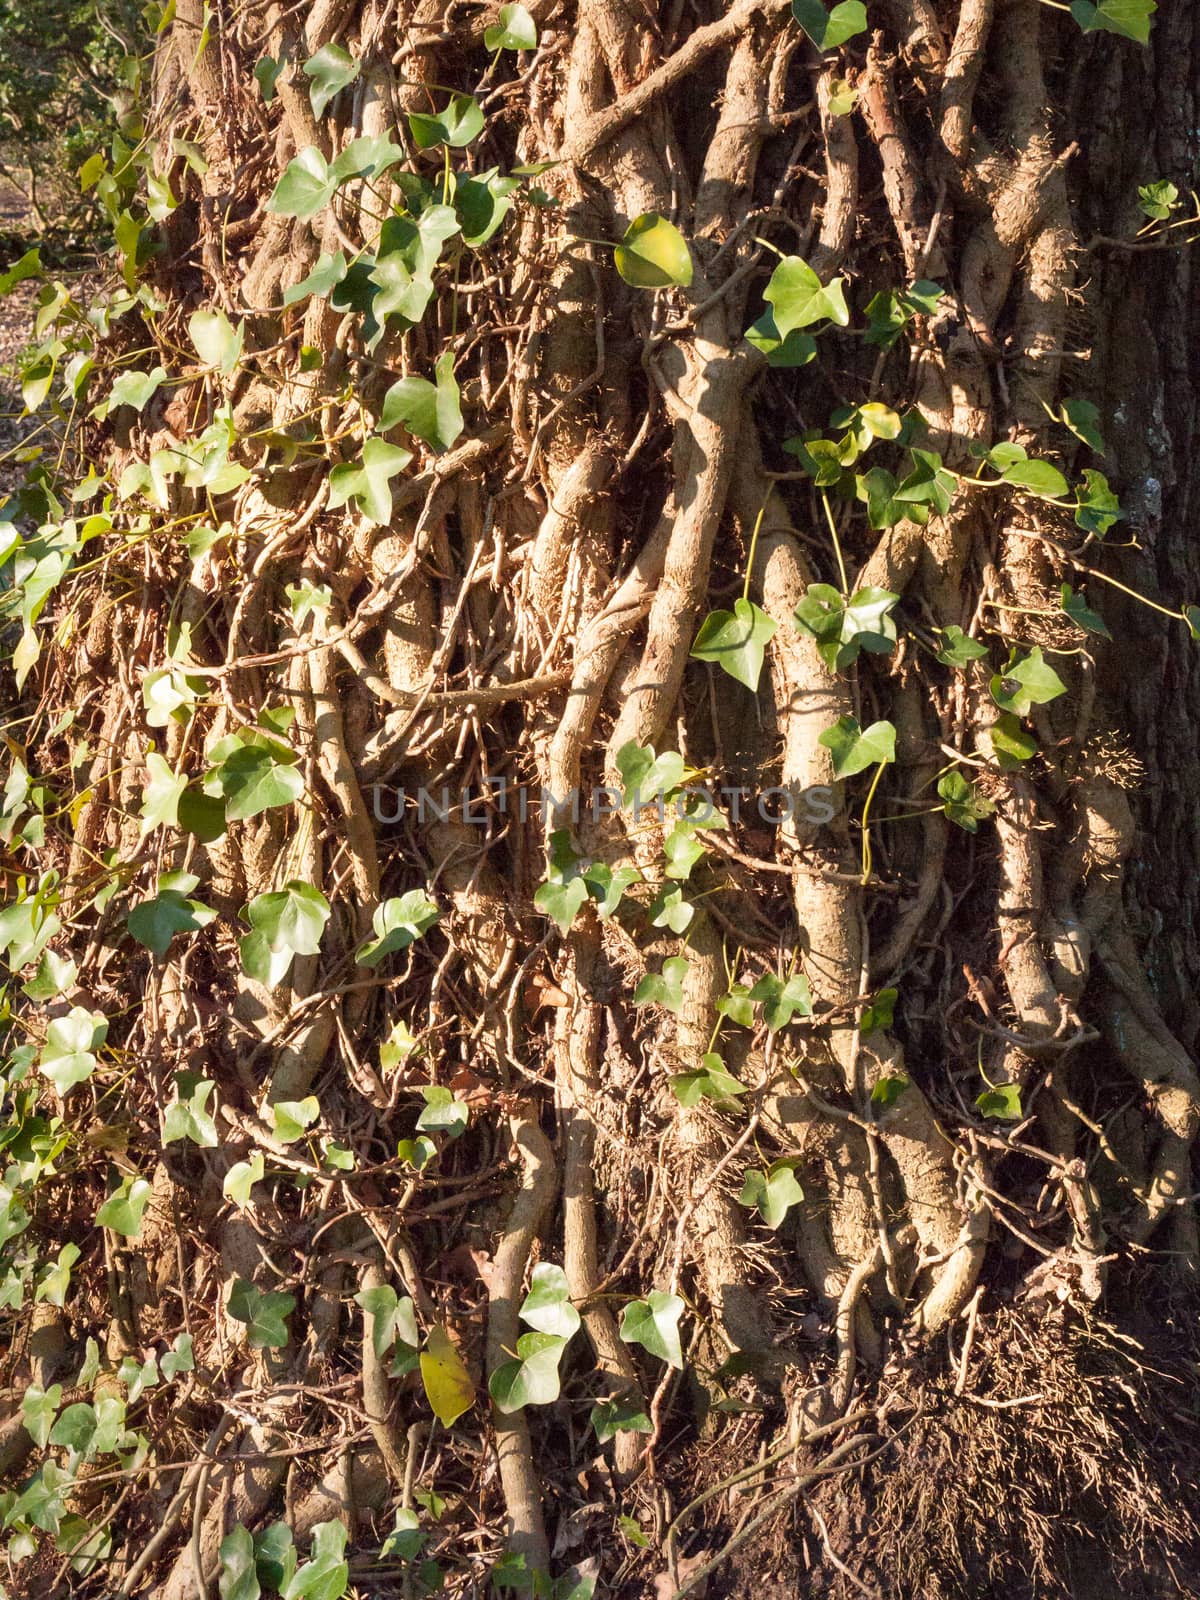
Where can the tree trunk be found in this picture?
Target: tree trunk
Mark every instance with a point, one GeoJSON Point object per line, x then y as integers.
{"type": "Point", "coordinates": [455, 571]}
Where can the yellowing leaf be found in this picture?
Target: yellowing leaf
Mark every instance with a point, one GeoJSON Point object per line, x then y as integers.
{"type": "Point", "coordinates": [448, 1385]}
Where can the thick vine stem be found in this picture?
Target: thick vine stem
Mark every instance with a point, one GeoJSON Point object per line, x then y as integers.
{"type": "Point", "coordinates": [526, 1532]}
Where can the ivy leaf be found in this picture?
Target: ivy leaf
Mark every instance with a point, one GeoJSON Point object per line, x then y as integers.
{"type": "Point", "coordinates": [797, 349]}
{"type": "Point", "coordinates": [888, 1090]}
{"type": "Point", "coordinates": [430, 411]}
{"type": "Point", "coordinates": [681, 850]}
{"type": "Point", "coordinates": [736, 641]}
{"type": "Point", "coordinates": [547, 1307]}
{"type": "Point", "coordinates": [306, 597]}
{"type": "Point", "coordinates": [880, 1013]}
{"type": "Point", "coordinates": [68, 1055]}
{"type": "Point", "coordinates": [238, 1577]}
{"type": "Point", "coordinates": [652, 254]}
{"type": "Point", "coordinates": [254, 779]}
{"type": "Point", "coordinates": [607, 885]}
{"type": "Point", "coordinates": [782, 999]}
{"type": "Point", "coordinates": [773, 1190]}
{"type": "Point", "coordinates": [392, 1317]}
{"type": "Point", "coordinates": [262, 1313]}
{"type": "Point", "coordinates": [561, 901]}
{"type": "Point", "coordinates": [654, 1324]}
{"type": "Point", "coordinates": [842, 628]}
{"type": "Point", "coordinates": [241, 1178]}
{"type": "Point", "coordinates": [663, 988]}
{"type": "Point", "coordinates": [38, 1409]}
{"type": "Point", "coordinates": [1097, 508]}
{"type": "Point", "coordinates": [133, 389]}
{"type": "Point", "coordinates": [1028, 682]}
{"type": "Point", "coordinates": [854, 749]}
{"type": "Point", "coordinates": [1035, 477]}
{"type": "Point", "coordinates": [1081, 614]}
{"type": "Point", "coordinates": [611, 1417]}
{"type": "Point", "coordinates": [285, 923]}
{"type": "Point", "coordinates": [122, 1211]}
{"type": "Point", "coordinates": [326, 275]}
{"type": "Point", "coordinates": [369, 481]}
{"type": "Point", "coordinates": [155, 922]}
{"type": "Point", "coordinates": [648, 778]}
{"type": "Point", "coordinates": [1129, 18]}
{"type": "Point", "coordinates": [457, 125]}
{"type": "Point", "coordinates": [532, 1379]}
{"type": "Point", "coordinates": [964, 805]}
{"type": "Point", "coordinates": [1158, 200]}
{"type": "Point", "coordinates": [828, 29]}
{"type": "Point", "coordinates": [448, 1386]}
{"type": "Point", "coordinates": [1083, 420]}
{"type": "Point", "coordinates": [161, 796]}
{"type": "Point", "coordinates": [737, 1005]}
{"type": "Point", "coordinates": [1010, 743]}
{"type": "Point", "coordinates": [186, 1116]}
{"type": "Point", "coordinates": [889, 313]}
{"type": "Point", "coordinates": [669, 909]}
{"type": "Point", "coordinates": [217, 342]}
{"type": "Point", "coordinates": [928, 486]}
{"type": "Point", "coordinates": [179, 1358]}
{"type": "Point", "coordinates": [711, 1082]}
{"type": "Point", "coordinates": [877, 491]}
{"type": "Point", "coordinates": [325, 1575]}
{"type": "Point", "coordinates": [959, 649]}
{"type": "Point", "coordinates": [1002, 1102]}
{"type": "Point", "coordinates": [290, 1118]}
{"type": "Point", "coordinates": [397, 924]}
{"type": "Point", "coordinates": [275, 1555]}
{"type": "Point", "coordinates": [443, 1113]}
{"type": "Point", "coordinates": [799, 299]}
{"type": "Point", "coordinates": [515, 30]}
{"type": "Point", "coordinates": [331, 70]}
{"type": "Point", "coordinates": [308, 183]}
{"type": "Point", "coordinates": [417, 1152]}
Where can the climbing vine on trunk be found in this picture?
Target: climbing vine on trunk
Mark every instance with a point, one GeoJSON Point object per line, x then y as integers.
{"type": "Point", "coordinates": [570, 936]}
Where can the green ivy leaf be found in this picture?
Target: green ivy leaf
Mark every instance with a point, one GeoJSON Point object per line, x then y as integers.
{"type": "Point", "coordinates": [799, 299]}
{"type": "Point", "coordinates": [68, 1056]}
{"type": "Point", "coordinates": [653, 254]}
{"type": "Point", "coordinates": [681, 850]}
{"type": "Point", "coordinates": [928, 486]}
{"type": "Point", "coordinates": [1083, 420]}
{"type": "Point", "coordinates": [306, 597]}
{"type": "Point", "coordinates": [443, 1113]}
{"type": "Point", "coordinates": [307, 185]}
{"type": "Point", "coordinates": [38, 1409]}
{"type": "Point", "coordinates": [514, 30]}
{"type": "Point", "coordinates": [285, 923]}
{"type": "Point", "coordinates": [430, 411]}
{"type": "Point", "coordinates": [888, 1090]}
{"type": "Point", "coordinates": [397, 924]}
{"type": "Point", "coordinates": [186, 1117]}
{"type": "Point", "coordinates": [1081, 614]}
{"type": "Point", "coordinates": [737, 1005]}
{"type": "Point", "coordinates": [1128, 18]}
{"type": "Point", "coordinates": [155, 922]}
{"type": "Point", "coordinates": [854, 749]}
{"type": "Point", "coordinates": [1158, 200]}
{"type": "Point", "coordinates": [654, 1324]}
{"type": "Point", "coordinates": [217, 342]}
{"type": "Point", "coordinates": [290, 1118]}
{"type": "Point", "coordinates": [610, 1417]}
{"type": "Point", "coordinates": [561, 901]}
{"type": "Point", "coordinates": [266, 73]}
{"type": "Point", "coordinates": [161, 796]}
{"type": "Point", "coordinates": [533, 1378]}
{"type": "Point", "coordinates": [1038, 478]}
{"type": "Point", "coordinates": [547, 1307]}
{"type": "Point", "coordinates": [332, 69]}
{"type": "Point", "coordinates": [134, 389]}
{"type": "Point", "coordinates": [122, 1211]}
{"type": "Point", "coordinates": [964, 804]}
{"type": "Point", "coordinates": [772, 1190]}
{"type": "Point", "coordinates": [1010, 742]}
{"type": "Point", "coordinates": [828, 29]}
{"type": "Point", "coordinates": [889, 313]}
{"type": "Point", "coordinates": [179, 1358]}
{"type": "Point", "coordinates": [607, 885]}
{"type": "Point", "coordinates": [393, 1320]}
{"type": "Point", "coordinates": [1002, 1103]}
{"type": "Point", "coordinates": [736, 641]}
{"type": "Point", "coordinates": [369, 481]}
{"type": "Point", "coordinates": [880, 1013]}
{"type": "Point", "coordinates": [669, 909]}
{"type": "Point", "coordinates": [711, 1082]}
{"type": "Point", "coordinates": [262, 1313]}
{"type": "Point", "coordinates": [457, 125]}
{"type": "Point", "coordinates": [842, 628]}
{"type": "Point", "coordinates": [325, 276]}
{"type": "Point", "coordinates": [1097, 508]}
{"type": "Point", "coordinates": [797, 349]}
{"type": "Point", "coordinates": [648, 778]}
{"type": "Point", "coordinates": [663, 988]}
{"type": "Point", "coordinates": [253, 778]}
{"type": "Point", "coordinates": [241, 1178]}
{"type": "Point", "coordinates": [325, 1575]}
{"type": "Point", "coordinates": [238, 1577]}
{"type": "Point", "coordinates": [1025, 683]}
{"type": "Point", "coordinates": [959, 650]}
{"type": "Point", "coordinates": [782, 999]}
{"type": "Point", "coordinates": [275, 1555]}
{"type": "Point", "coordinates": [417, 1152]}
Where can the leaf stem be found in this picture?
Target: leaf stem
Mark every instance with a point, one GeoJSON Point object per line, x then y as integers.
{"type": "Point", "coordinates": [866, 831]}
{"type": "Point", "coordinates": [754, 546]}
{"type": "Point", "coordinates": [837, 544]}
